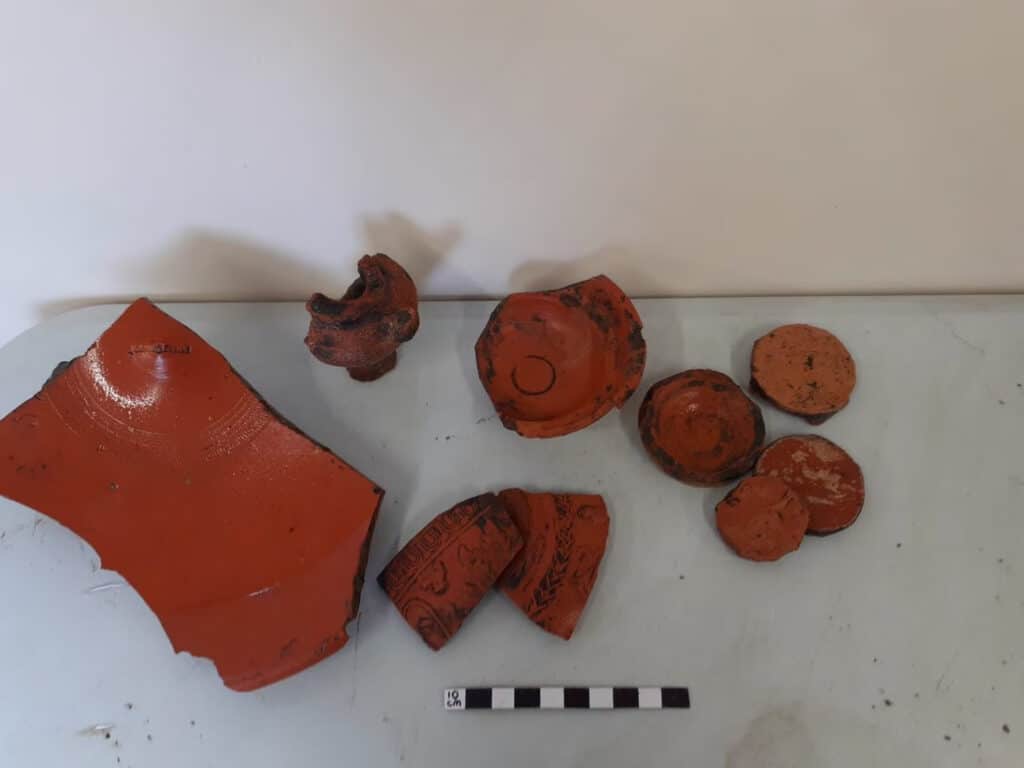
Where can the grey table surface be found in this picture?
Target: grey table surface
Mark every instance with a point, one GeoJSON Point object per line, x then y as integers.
{"type": "Point", "coordinates": [899, 642]}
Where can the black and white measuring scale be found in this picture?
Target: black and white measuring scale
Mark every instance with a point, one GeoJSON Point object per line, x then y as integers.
{"type": "Point", "coordinates": [561, 697]}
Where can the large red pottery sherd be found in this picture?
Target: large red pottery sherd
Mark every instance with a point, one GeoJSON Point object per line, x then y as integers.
{"type": "Point", "coordinates": [551, 578]}
{"type": "Point", "coordinates": [247, 539]}
{"type": "Point", "coordinates": [554, 362]}
{"type": "Point", "coordinates": [361, 331]}
{"type": "Point", "coordinates": [438, 578]}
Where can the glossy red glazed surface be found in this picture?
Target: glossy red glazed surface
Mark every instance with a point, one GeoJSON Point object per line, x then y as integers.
{"type": "Point", "coordinates": [554, 362]}
{"type": "Point", "coordinates": [247, 539]}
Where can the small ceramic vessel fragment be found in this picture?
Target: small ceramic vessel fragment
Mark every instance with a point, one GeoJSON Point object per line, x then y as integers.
{"type": "Point", "coordinates": [440, 576]}
{"type": "Point", "coordinates": [554, 362]}
{"type": "Point", "coordinates": [552, 576]}
{"type": "Point", "coordinates": [762, 519]}
{"type": "Point", "coordinates": [828, 481]}
{"type": "Point", "coordinates": [701, 428]}
{"type": "Point", "coordinates": [362, 330]}
{"type": "Point", "coordinates": [803, 370]}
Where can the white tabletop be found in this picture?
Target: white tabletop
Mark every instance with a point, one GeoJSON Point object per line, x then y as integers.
{"type": "Point", "coordinates": [899, 642]}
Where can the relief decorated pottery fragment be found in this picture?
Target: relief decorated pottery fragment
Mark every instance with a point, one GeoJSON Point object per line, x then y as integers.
{"type": "Point", "coordinates": [552, 577]}
{"type": "Point", "coordinates": [439, 577]}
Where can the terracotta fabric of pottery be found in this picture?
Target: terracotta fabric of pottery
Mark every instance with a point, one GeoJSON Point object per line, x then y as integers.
{"type": "Point", "coordinates": [438, 578]}
{"type": "Point", "coordinates": [247, 539]}
{"type": "Point", "coordinates": [829, 483]}
{"type": "Point", "coordinates": [803, 370]}
{"type": "Point", "coordinates": [552, 576]}
{"type": "Point", "coordinates": [553, 362]}
{"type": "Point", "coordinates": [762, 519]}
{"type": "Point", "coordinates": [362, 330]}
{"type": "Point", "coordinates": [700, 427]}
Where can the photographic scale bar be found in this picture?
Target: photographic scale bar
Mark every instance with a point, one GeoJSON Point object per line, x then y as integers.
{"type": "Point", "coordinates": [560, 698]}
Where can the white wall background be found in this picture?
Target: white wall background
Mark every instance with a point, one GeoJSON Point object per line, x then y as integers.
{"type": "Point", "coordinates": [243, 148]}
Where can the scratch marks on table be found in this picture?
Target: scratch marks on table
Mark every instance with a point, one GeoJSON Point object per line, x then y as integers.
{"type": "Point", "coordinates": [826, 628]}
{"type": "Point", "coordinates": [956, 335]}
{"type": "Point", "coordinates": [99, 729]}
{"type": "Point", "coordinates": [945, 672]}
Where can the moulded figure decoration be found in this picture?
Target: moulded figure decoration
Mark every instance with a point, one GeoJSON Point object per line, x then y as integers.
{"type": "Point", "coordinates": [554, 362]}
{"type": "Point", "coordinates": [246, 538]}
{"type": "Point", "coordinates": [552, 577]}
{"type": "Point", "coordinates": [700, 427]}
{"type": "Point", "coordinates": [362, 330]}
{"type": "Point", "coordinates": [437, 579]}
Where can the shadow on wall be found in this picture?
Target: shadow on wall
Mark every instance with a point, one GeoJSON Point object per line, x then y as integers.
{"type": "Point", "coordinates": [615, 262]}
{"type": "Point", "coordinates": [215, 266]}
{"type": "Point", "coordinates": [420, 251]}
